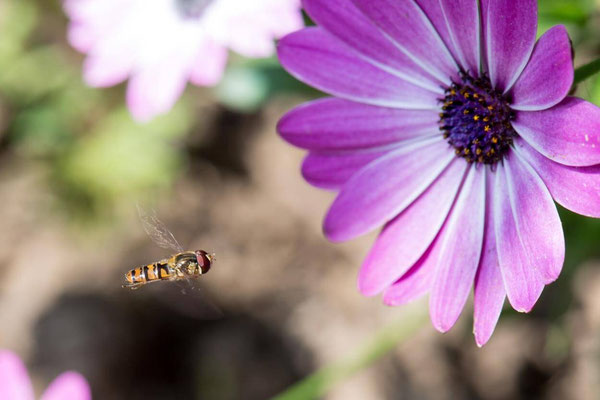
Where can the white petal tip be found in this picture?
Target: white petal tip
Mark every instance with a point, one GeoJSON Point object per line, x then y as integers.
{"type": "Point", "coordinates": [442, 327]}
{"type": "Point", "coordinates": [481, 340]}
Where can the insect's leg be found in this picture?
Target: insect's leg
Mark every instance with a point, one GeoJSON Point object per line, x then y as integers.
{"type": "Point", "coordinates": [132, 286]}
{"type": "Point", "coordinates": [181, 287]}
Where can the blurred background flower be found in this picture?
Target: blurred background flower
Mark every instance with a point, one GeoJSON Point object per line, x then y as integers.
{"type": "Point", "coordinates": [15, 383]}
{"type": "Point", "coordinates": [160, 45]}
{"type": "Point", "coordinates": [73, 164]}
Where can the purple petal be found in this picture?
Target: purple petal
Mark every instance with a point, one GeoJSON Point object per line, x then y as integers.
{"type": "Point", "coordinates": [317, 58]}
{"type": "Point", "coordinates": [342, 19]}
{"type": "Point", "coordinates": [460, 253]}
{"type": "Point", "coordinates": [418, 280]}
{"type": "Point", "coordinates": [489, 290]}
{"type": "Point", "coordinates": [404, 240]}
{"type": "Point", "coordinates": [537, 219]}
{"type": "Point", "coordinates": [522, 282]}
{"type": "Point", "coordinates": [433, 11]}
{"type": "Point", "coordinates": [462, 17]}
{"type": "Point", "coordinates": [68, 385]}
{"type": "Point", "coordinates": [529, 233]}
{"type": "Point", "coordinates": [408, 27]}
{"type": "Point", "coordinates": [385, 188]}
{"type": "Point", "coordinates": [575, 188]}
{"type": "Point", "coordinates": [331, 170]}
{"type": "Point", "coordinates": [548, 77]}
{"type": "Point", "coordinates": [510, 37]}
{"type": "Point", "coordinates": [483, 12]}
{"type": "Point", "coordinates": [14, 380]}
{"type": "Point", "coordinates": [568, 133]}
{"type": "Point", "coordinates": [337, 124]}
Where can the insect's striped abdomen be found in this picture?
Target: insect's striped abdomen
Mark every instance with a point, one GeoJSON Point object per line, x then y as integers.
{"type": "Point", "coordinates": [162, 271]}
{"type": "Point", "coordinates": [148, 273]}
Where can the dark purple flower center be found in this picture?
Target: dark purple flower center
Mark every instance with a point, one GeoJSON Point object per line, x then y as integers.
{"type": "Point", "coordinates": [192, 8]}
{"type": "Point", "coordinates": [476, 120]}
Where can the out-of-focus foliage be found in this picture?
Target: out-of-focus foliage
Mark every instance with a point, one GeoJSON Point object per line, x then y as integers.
{"type": "Point", "coordinates": [574, 13]}
{"type": "Point", "coordinates": [595, 91]}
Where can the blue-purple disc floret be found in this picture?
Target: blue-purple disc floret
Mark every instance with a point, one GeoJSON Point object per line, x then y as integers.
{"type": "Point", "coordinates": [476, 120]}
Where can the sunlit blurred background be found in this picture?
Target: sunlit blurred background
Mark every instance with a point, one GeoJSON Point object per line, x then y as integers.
{"type": "Point", "coordinates": [281, 301]}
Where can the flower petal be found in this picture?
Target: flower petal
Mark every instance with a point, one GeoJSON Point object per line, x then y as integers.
{"type": "Point", "coordinates": [404, 240]}
{"type": "Point", "coordinates": [575, 188]}
{"type": "Point", "coordinates": [14, 380]}
{"type": "Point", "coordinates": [408, 27]}
{"type": "Point", "coordinates": [331, 170]}
{"type": "Point", "coordinates": [155, 89]}
{"type": "Point", "coordinates": [210, 63]}
{"type": "Point", "coordinates": [489, 290]}
{"type": "Point", "coordinates": [334, 124]}
{"type": "Point", "coordinates": [385, 188]}
{"type": "Point", "coordinates": [91, 20]}
{"type": "Point", "coordinates": [537, 219]}
{"type": "Point", "coordinates": [342, 19]}
{"type": "Point", "coordinates": [68, 385]}
{"type": "Point", "coordinates": [548, 77]}
{"type": "Point", "coordinates": [249, 27]}
{"type": "Point", "coordinates": [464, 27]}
{"type": "Point", "coordinates": [112, 51]}
{"type": "Point", "coordinates": [419, 279]}
{"type": "Point", "coordinates": [317, 58]}
{"type": "Point", "coordinates": [510, 37]}
{"type": "Point", "coordinates": [460, 253]}
{"type": "Point", "coordinates": [522, 283]}
{"type": "Point", "coordinates": [433, 11]}
{"type": "Point", "coordinates": [568, 133]}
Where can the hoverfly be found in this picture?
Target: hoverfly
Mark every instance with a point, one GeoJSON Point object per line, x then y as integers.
{"type": "Point", "coordinates": [182, 265]}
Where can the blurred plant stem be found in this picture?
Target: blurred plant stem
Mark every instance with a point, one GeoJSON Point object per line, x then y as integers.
{"type": "Point", "coordinates": [323, 380]}
{"type": "Point", "coordinates": [586, 71]}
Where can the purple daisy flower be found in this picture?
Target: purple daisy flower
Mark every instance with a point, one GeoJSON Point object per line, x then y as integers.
{"type": "Point", "coordinates": [162, 44]}
{"type": "Point", "coordinates": [453, 129]}
{"type": "Point", "coordinates": [15, 383]}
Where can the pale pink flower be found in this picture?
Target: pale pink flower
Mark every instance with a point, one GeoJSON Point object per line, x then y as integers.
{"type": "Point", "coordinates": [160, 45]}
{"type": "Point", "coordinates": [15, 383]}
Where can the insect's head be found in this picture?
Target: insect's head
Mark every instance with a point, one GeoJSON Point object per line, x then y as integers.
{"type": "Point", "coordinates": [204, 260]}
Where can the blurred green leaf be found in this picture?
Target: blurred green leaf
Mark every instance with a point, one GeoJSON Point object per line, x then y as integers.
{"type": "Point", "coordinates": [41, 131]}
{"type": "Point", "coordinates": [243, 88]}
{"type": "Point", "coordinates": [18, 18]}
{"type": "Point", "coordinates": [595, 91]}
{"type": "Point", "coordinates": [122, 159]}
{"type": "Point", "coordinates": [586, 71]}
{"type": "Point", "coordinates": [573, 11]}
{"type": "Point", "coordinates": [34, 74]}
{"type": "Point", "coordinates": [249, 83]}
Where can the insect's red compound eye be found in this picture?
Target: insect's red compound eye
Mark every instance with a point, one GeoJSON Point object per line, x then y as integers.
{"type": "Point", "coordinates": [203, 260]}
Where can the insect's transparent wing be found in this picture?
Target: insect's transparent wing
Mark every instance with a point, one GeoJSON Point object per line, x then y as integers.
{"type": "Point", "coordinates": [157, 231]}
